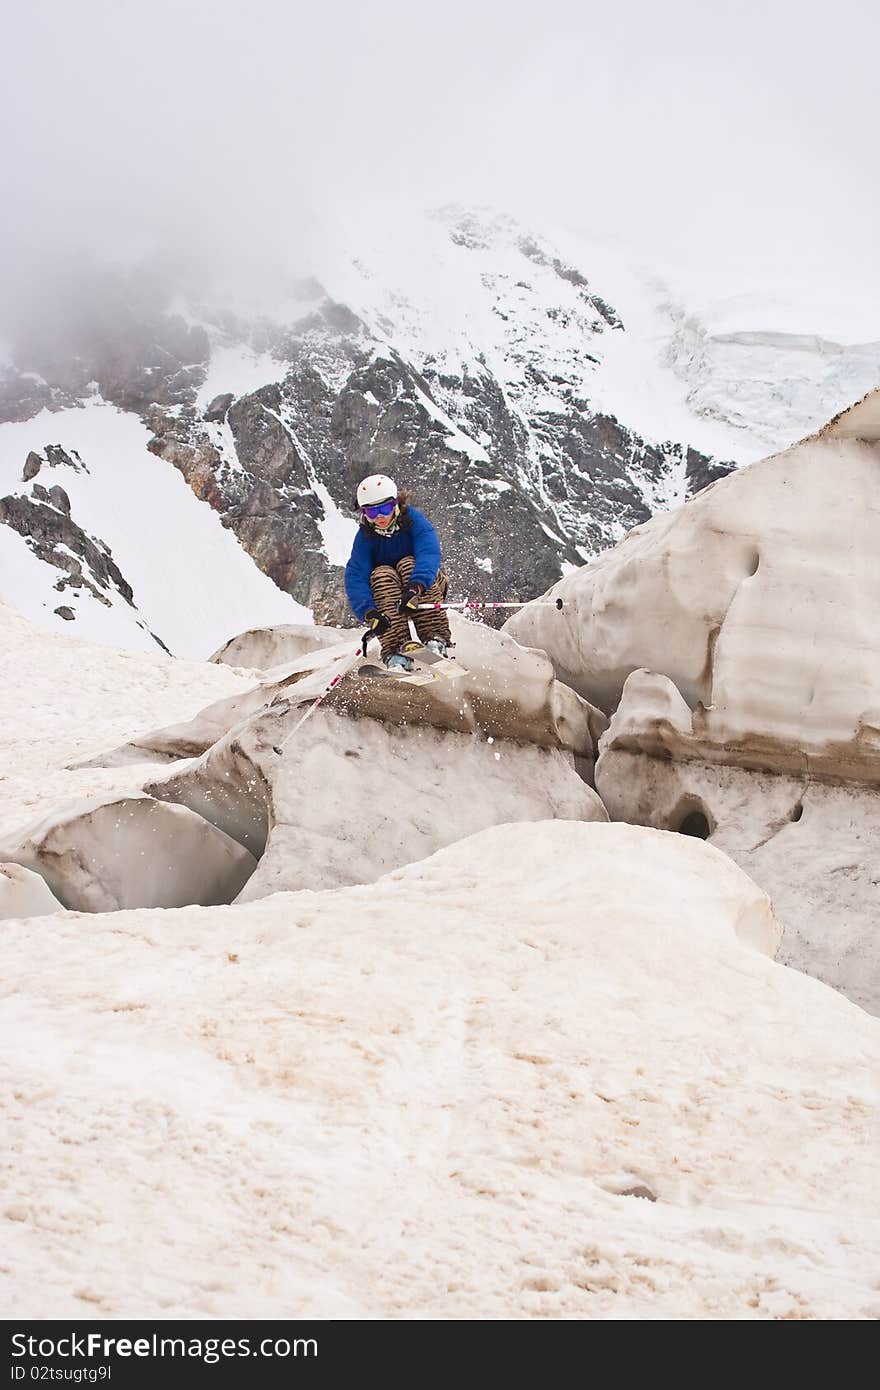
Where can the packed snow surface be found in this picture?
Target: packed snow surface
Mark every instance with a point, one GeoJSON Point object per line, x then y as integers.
{"type": "Point", "coordinates": [550, 1071]}
{"type": "Point", "coordinates": [62, 700]}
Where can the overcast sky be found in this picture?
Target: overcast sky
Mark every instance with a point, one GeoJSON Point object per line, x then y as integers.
{"type": "Point", "coordinates": [723, 133]}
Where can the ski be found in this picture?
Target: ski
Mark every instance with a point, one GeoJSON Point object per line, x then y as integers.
{"type": "Point", "coordinates": [403, 677]}
{"type": "Point", "coordinates": [445, 666]}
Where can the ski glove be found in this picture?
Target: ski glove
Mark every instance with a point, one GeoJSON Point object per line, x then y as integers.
{"type": "Point", "coordinates": [410, 599]}
{"type": "Point", "coordinates": [379, 624]}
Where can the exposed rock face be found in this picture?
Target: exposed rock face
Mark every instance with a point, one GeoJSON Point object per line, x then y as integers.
{"type": "Point", "coordinates": [198, 462]}
{"type": "Point", "coordinates": [262, 488]}
{"type": "Point", "coordinates": [106, 331]}
{"type": "Point", "coordinates": [215, 411]}
{"type": "Point", "coordinates": [59, 499]}
{"type": "Point", "coordinates": [84, 563]}
{"type": "Point", "coordinates": [487, 520]}
{"type": "Point", "coordinates": [701, 471]}
{"type": "Point", "coordinates": [500, 538]}
{"type": "Point", "coordinates": [25, 394]}
{"type": "Point", "coordinates": [737, 643]}
{"type": "Point", "coordinates": [55, 457]}
{"type": "Point", "coordinates": [45, 521]}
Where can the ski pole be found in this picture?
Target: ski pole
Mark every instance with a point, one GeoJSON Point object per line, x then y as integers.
{"type": "Point", "coordinates": [534, 603]}
{"type": "Point", "coordinates": [331, 685]}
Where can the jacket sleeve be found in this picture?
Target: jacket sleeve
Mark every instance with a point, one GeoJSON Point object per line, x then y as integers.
{"type": "Point", "coordinates": [357, 576]}
{"type": "Point", "coordinates": [426, 551]}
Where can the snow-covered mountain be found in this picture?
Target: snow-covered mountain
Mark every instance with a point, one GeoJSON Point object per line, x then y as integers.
{"type": "Point", "coordinates": [539, 396]}
{"type": "Point", "coordinates": [741, 365]}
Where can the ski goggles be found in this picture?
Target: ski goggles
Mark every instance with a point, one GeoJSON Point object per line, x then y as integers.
{"type": "Point", "coordinates": [373, 510]}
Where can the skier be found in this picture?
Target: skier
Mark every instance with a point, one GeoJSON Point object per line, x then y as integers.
{"type": "Point", "coordinates": [394, 566]}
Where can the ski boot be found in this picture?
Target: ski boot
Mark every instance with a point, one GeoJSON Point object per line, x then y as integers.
{"type": "Point", "coordinates": [398, 662]}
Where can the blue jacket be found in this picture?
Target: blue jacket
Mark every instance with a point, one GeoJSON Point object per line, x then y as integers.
{"type": "Point", "coordinates": [415, 536]}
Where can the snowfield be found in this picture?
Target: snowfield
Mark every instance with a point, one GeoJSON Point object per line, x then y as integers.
{"type": "Point", "coordinates": [61, 700]}
{"type": "Point", "coordinates": [737, 361]}
{"type": "Point", "coordinates": [550, 1071]}
{"type": "Point", "coordinates": [193, 583]}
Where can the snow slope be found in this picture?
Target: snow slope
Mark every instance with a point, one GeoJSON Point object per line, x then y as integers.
{"type": "Point", "coordinates": [193, 583]}
{"type": "Point", "coordinates": [62, 698]}
{"type": "Point", "coordinates": [734, 361]}
{"type": "Point", "coordinates": [558, 1087]}
{"type": "Point", "coordinates": [476, 297]}
{"type": "Point", "coordinates": [28, 581]}
{"type": "Point", "coordinates": [551, 1071]}
{"type": "Point", "coordinates": [737, 361]}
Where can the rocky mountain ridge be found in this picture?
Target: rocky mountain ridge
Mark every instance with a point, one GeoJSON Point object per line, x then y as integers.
{"type": "Point", "coordinates": [535, 420]}
{"type": "Point", "coordinates": [491, 428]}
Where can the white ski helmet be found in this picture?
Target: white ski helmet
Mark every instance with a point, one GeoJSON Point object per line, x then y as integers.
{"type": "Point", "coordinates": [376, 488]}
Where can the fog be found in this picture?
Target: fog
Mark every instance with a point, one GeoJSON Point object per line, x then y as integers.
{"type": "Point", "coordinates": [239, 138]}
